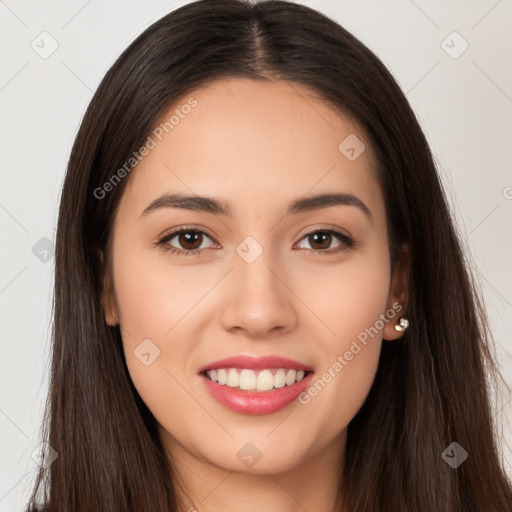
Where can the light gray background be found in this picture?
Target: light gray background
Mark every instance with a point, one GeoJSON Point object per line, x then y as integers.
{"type": "Point", "coordinates": [464, 105]}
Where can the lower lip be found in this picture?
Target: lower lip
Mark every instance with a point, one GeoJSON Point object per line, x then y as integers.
{"type": "Point", "coordinates": [256, 402]}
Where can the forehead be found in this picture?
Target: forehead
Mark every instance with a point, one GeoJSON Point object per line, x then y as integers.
{"type": "Point", "coordinates": [256, 144]}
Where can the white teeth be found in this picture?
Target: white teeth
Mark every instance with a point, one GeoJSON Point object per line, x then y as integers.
{"type": "Point", "coordinates": [265, 381]}
{"type": "Point", "coordinates": [279, 378]}
{"type": "Point", "coordinates": [291, 377]}
{"type": "Point", "coordinates": [247, 379]}
{"type": "Point", "coordinates": [221, 376]}
{"type": "Point", "coordinates": [233, 378]}
{"type": "Point", "coordinates": [259, 380]}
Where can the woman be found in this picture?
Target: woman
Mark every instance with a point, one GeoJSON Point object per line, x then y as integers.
{"type": "Point", "coordinates": [261, 302]}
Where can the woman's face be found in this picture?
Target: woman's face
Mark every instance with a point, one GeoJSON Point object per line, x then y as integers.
{"type": "Point", "coordinates": [266, 278]}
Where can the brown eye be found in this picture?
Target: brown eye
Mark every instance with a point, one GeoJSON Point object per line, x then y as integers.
{"type": "Point", "coordinates": [185, 241]}
{"type": "Point", "coordinates": [320, 241]}
{"type": "Point", "coordinates": [189, 240]}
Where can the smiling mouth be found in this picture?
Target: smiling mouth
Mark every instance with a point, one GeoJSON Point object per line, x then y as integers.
{"type": "Point", "coordinates": [255, 380]}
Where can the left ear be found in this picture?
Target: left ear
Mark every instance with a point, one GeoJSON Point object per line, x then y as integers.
{"type": "Point", "coordinates": [398, 297]}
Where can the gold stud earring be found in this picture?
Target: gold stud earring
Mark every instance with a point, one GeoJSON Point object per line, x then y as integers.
{"type": "Point", "coordinates": [403, 323]}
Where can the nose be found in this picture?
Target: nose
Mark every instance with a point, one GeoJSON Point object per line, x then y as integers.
{"type": "Point", "coordinates": [258, 300]}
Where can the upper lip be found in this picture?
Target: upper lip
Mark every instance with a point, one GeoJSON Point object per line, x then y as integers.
{"type": "Point", "coordinates": [255, 363]}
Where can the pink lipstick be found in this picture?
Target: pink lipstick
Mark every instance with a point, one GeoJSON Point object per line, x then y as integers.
{"type": "Point", "coordinates": [256, 385]}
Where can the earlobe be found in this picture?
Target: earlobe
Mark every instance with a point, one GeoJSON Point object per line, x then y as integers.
{"type": "Point", "coordinates": [398, 298]}
{"type": "Point", "coordinates": [395, 328]}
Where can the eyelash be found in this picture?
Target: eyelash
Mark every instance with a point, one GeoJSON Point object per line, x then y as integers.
{"type": "Point", "coordinates": [347, 243]}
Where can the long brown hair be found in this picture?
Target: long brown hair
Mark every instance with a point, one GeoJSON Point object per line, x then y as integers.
{"type": "Point", "coordinates": [432, 386]}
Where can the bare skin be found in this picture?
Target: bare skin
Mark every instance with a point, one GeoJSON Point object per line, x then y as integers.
{"type": "Point", "coordinates": [257, 147]}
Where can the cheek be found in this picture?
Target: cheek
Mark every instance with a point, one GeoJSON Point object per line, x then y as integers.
{"type": "Point", "coordinates": [351, 302]}
{"type": "Point", "coordinates": [153, 314]}
{"type": "Point", "coordinates": [346, 298]}
{"type": "Point", "coordinates": [154, 296]}
{"type": "Point", "coordinates": [159, 302]}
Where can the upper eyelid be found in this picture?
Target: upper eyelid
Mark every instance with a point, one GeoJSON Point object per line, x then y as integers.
{"type": "Point", "coordinates": [176, 231]}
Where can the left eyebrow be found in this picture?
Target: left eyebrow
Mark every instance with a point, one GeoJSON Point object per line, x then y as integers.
{"type": "Point", "coordinates": [214, 206]}
{"type": "Point", "coordinates": [319, 201]}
